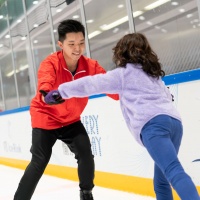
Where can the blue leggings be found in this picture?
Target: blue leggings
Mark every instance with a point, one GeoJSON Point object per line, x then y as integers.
{"type": "Point", "coordinates": [162, 138]}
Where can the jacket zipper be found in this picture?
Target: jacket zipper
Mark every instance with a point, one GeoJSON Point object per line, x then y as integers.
{"type": "Point", "coordinates": [78, 73]}
{"type": "Point", "coordinates": [75, 73]}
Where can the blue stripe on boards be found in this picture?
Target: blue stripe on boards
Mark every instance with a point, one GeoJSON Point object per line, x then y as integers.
{"type": "Point", "coordinates": [182, 77]}
{"type": "Point", "coordinates": [16, 110]}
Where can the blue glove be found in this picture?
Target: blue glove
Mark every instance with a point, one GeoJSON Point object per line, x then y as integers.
{"type": "Point", "coordinates": [52, 98]}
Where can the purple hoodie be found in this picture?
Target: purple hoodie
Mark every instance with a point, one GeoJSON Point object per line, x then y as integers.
{"type": "Point", "coordinates": [142, 97]}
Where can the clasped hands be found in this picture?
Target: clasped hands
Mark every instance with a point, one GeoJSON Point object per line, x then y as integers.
{"type": "Point", "coordinates": [52, 98]}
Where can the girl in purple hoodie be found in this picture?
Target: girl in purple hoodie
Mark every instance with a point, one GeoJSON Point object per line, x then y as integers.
{"type": "Point", "coordinates": [147, 107]}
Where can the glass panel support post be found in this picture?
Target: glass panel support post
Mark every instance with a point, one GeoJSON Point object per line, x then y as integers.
{"type": "Point", "coordinates": [198, 5]}
{"type": "Point", "coordinates": [30, 52]}
{"type": "Point", "coordinates": [87, 46]}
{"type": "Point", "coordinates": [130, 16]}
{"type": "Point", "coordinates": [12, 55]}
{"type": "Point", "coordinates": [2, 93]}
{"type": "Point", "coordinates": [51, 25]}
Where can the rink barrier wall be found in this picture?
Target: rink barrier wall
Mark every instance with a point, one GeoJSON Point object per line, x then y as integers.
{"type": "Point", "coordinates": [107, 174]}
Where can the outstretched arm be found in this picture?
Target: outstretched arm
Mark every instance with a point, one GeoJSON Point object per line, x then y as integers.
{"type": "Point", "coordinates": [108, 83]}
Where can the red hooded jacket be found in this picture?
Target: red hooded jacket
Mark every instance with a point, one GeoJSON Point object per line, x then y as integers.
{"type": "Point", "coordinates": [52, 72]}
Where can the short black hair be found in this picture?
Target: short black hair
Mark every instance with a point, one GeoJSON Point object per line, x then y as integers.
{"type": "Point", "coordinates": [69, 26]}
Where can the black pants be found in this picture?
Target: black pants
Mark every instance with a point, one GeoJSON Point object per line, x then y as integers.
{"type": "Point", "coordinates": [76, 138]}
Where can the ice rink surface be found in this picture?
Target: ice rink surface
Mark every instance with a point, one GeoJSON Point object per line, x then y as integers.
{"type": "Point", "coordinates": [52, 188]}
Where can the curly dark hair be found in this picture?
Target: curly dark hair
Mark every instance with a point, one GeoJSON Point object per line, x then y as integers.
{"type": "Point", "coordinates": [135, 48]}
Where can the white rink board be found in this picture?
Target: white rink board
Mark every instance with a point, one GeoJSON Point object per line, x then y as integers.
{"type": "Point", "coordinates": [113, 146]}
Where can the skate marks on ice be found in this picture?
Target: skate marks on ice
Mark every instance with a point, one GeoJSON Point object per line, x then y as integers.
{"type": "Point", "coordinates": [53, 188]}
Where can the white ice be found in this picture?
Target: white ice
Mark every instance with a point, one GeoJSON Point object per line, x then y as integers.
{"type": "Point", "coordinates": [52, 188]}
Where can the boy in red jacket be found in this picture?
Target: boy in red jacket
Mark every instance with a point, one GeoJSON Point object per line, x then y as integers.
{"type": "Point", "coordinates": [62, 121]}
